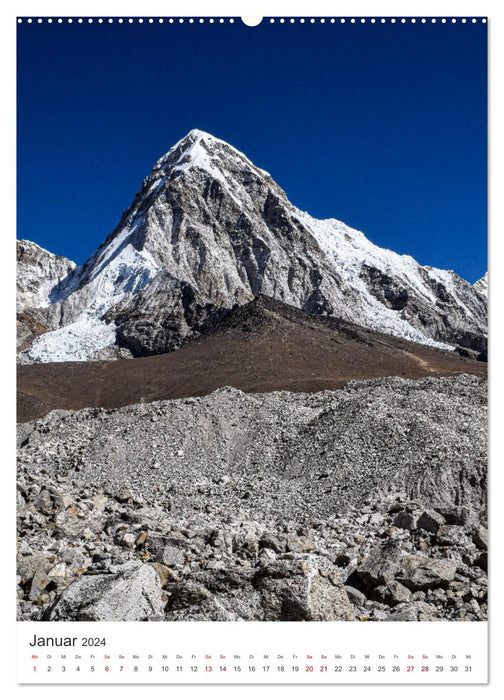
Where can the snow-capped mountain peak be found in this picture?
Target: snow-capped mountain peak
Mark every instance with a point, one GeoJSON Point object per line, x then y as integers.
{"type": "Point", "coordinates": [197, 147]}
{"type": "Point", "coordinates": [209, 230]}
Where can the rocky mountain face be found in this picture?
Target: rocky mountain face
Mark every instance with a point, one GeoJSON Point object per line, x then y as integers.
{"type": "Point", "coordinates": [208, 231]}
{"type": "Point", "coordinates": [38, 272]}
{"type": "Point", "coordinates": [481, 285]}
{"type": "Point", "coordinates": [367, 503]}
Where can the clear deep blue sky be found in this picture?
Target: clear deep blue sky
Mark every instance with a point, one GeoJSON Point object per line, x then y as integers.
{"type": "Point", "coordinates": [380, 126]}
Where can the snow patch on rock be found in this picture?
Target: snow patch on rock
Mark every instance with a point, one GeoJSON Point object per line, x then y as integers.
{"type": "Point", "coordinates": [76, 342]}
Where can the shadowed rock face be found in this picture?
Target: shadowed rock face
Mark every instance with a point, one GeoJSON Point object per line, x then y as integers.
{"type": "Point", "coordinates": [38, 272]}
{"type": "Point", "coordinates": [385, 288]}
{"type": "Point", "coordinates": [365, 503]}
{"type": "Point", "coordinates": [209, 230]}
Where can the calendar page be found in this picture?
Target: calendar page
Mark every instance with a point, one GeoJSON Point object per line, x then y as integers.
{"type": "Point", "coordinates": [251, 298]}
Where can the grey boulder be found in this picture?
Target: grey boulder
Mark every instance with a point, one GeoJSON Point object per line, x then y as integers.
{"type": "Point", "coordinates": [131, 593]}
{"type": "Point", "coordinates": [421, 573]}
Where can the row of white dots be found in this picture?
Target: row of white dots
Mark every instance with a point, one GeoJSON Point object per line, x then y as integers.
{"type": "Point", "coordinates": [231, 20]}
{"type": "Point", "coordinates": [111, 20]}
{"type": "Point", "coordinates": [373, 20]}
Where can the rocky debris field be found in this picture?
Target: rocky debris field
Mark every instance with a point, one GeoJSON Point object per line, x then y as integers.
{"type": "Point", "coordinates": [367, 503]}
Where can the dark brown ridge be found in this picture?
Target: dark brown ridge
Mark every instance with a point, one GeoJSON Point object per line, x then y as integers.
{"type": "Point", "coordinates": [263, 346]}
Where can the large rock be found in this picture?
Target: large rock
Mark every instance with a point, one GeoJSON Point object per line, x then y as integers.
{"type": "Point", "coordinates": [225, 593]}
{"type": "Point", "coordinates": [285, 589]}
{"type": "Point", "coordinates": [303, 589]}
{"type": "Point", "coordinates": [163, 550]}
{"type": "Point", "coordinates": [406, 520]}
{"type": "Point", "coordinates": [430, 520]}
{"type": "Point", "coordinates": [394, 593]}
{"type": "Point", "coordinates": [454, 535]}
{"type": "Point", "coordinates": [480, 537]}
{"type": "Point", "coordinates": [382, 564]}
{"type": "Point", "coordinates": [420, 573]}
{"type": "Point", "coordinates": [131, 593]}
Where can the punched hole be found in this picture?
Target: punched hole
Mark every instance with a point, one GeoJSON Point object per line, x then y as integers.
{"type": "Point", "coordinates": [251, 21]}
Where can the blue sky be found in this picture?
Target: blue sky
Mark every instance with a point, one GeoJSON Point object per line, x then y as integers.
{"type": "Point", "coordinates": [381, 126]}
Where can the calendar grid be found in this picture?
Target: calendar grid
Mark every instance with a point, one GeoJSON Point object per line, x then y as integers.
{"type": "Point", "coordinates": [308, 653]}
